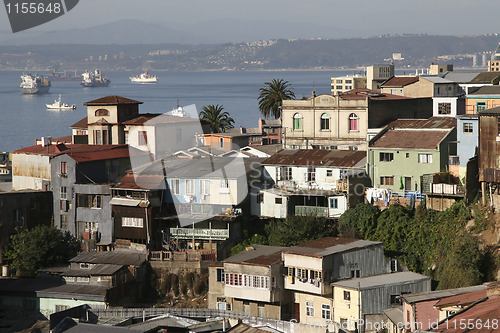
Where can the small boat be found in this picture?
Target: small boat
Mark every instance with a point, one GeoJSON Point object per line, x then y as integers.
{"type": "Point", "coordinates": [144, 78]}
{"type": "Point", "coordinates": [59, 105]}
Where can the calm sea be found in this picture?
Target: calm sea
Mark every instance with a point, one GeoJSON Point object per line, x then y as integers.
{"type": "Point", "coordinates": [25, 118]}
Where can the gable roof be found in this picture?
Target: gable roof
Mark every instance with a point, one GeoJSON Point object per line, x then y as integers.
{"type": "Point", "coordinates": [111, 257]}
{"type": "Point", "coordinates": [318, 157]}
{"type": "Point", "coordinates": [411, 139]}
{"type": "Point", "coordinates": [83, 123]}
{"type": "Point", "coordinates": [380, 280]}
{"type": "Point", "coordinates": [485, 77]}
{"type": "Point", "coordinates": [112, 100]}
{"type": "Point", "coordinates": [261, 255]}
{"type": "Point", "coordinates": [399, 81]}
{"type": "Point", "coordinates": [433, 122]}
{"type": "Point", "coordinates": [486, 90]}
{"type": "Point", "coordinates": [329, 245]}
{"type": "Point", "coordinates": [462, 77]}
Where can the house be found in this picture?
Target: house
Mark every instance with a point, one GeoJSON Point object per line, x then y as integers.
{"type": "Point", "coordinates": [418, 308]}
{"type": "Point", "coordinates": [304, 182]}
{"type": "Point", "coordinates": [23, 209]}
{"type": "Point", "coordinates": [345, 83]}
{"type": "Point", "coordinates": [408, 149]}
{"type": "Point", "coordinates": [354, 299]}
{"type": "Point", "coordinates": [396, 85]}
{"type": "Point", "coordinates": [311, 268]}
{"type": "Point", "coordinates": [342, 121]}
{"type": "Point", "coordinates": [467, 143]}
{"type": "Point", "coordinates": [271, 131]}
{"type": "Point", "coordinates": [136, 206]}
{"type": "Point", "coordinates": [253, 283]}
{"type": "Point", "coordinates": [231, 139]}
{"type": "Point", "coordinates": [484, 98]}
{"type": "Point", "coordinates": [377, 74]}
{"type": "Point", "coordinates": [494, 63]}
{"type": "Point", "coordinates": [80, 177]}
{"type": "Point", "coordinates": [489, 148]}
{"type": "Point", "coordinates": [472, 81]}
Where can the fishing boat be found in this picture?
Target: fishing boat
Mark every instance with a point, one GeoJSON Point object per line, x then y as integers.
{"type": "Point", "coordinates": [144, 78]}
{"type": "Point", "coordinates": [59, 105]}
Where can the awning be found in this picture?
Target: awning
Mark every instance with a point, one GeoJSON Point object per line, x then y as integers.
{"type": "Point", "coordinates": [125, 202]}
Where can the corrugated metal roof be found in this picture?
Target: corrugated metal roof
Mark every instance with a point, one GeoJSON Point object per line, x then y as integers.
{"type": "Point", "coordinates": [97, 270]}
{"type": "Point", "coordinates": [261, 255]}
{"type": "Point", "coordinates": [494, 111]}
{"type": "Point", "coordinates": [395, 315]}
{"type": "Point", "coordinates": [430, 295]}
{"type": "Point", "coordinates": [435, 79]}
{"type": "Point", "coordinates": [462, 300]}
{"type": "Point", "coordinates": [486, 90]}
{"type": "Point", "coordinates": [381, 280]}
{"type": "Point", "coordinates": [318, 157]}
{"type": "Point", "coordinates": [485, 77]}
{"type": "Point", "coordinates": [478, 314]}
{"type": "Point", "coordinates": [112, 100]}
{"type": "Point", "coordinates": [329, 245]}
{"type": "Point", "coordinates": [140, 181]}
{"type": "Point", "coordinates": [433, 122]}
{"type": "Point", "coordinates": [411, 139]}
{"type": "Point", "coordinates": [83, 289]}
{"type": "Point", "coordinates": [461, 77]}
{"type": "Point", "coordinates": [111, 257]}
{"type": "Point", "coordinates": [399, 81]}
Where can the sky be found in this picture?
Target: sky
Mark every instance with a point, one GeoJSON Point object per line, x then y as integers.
{"type": "Point", "coordinates": [315, 18]}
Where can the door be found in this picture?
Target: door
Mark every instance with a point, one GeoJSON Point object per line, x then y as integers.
{"type": "Point", "coordinates": [296, 311]}
{"type": "Point", "coordinates": [407, 183]}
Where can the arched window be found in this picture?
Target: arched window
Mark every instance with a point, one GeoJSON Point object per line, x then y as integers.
{"type": "Point", "coordinates": [325, 121]}
{"type": "Point", "coordinates": [101, 112]}
{"type": "Point", "coordinates": [353, 122]}
{"type": "Point", "coordinates": [297, 121]}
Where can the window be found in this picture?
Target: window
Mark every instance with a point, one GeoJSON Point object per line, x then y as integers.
{"type": "Point", "coordinates": [396, 299]}
{"type": "Point", "coordinates": [134, 222]}
{"type": "Point", "coordinates": [297, 121]}
{"type": "Point", "coordinates": [387, 180]}
{"type": "Point", "coordinates": [326, 312]}
{"type": "Point", "coordinates": [143, 138]}
{"type": "Point", "coordinates": [333, 147]}
{"type": "Point", "coordinates": [311, 174]}
{"type": "Point", "coordinates": [309, 309]}
{"type": "Point", "coordinates": [287, 173]}
{"type": "Point", "coordinates": [353, 122]}
{"type": "Point", "coordinates": [468, 128]}
{"type": "Point", "coordinates": [96, 201]}
{"type": "Point", "coordinates": [221, 143]}
{"type": "Point", "coordinates": [64, 169]}
{"type": "Point", "coordinates": [60, 308]}
{"type": "Point", "coordinates": [220, 275]}
{"type": "Point", "coordinates": [480, 106]}
{"type": "Point", "coordinates": [334, 203]}
{"type": "Point", "coordinates": [175, 186]}
{"type": "Point", "coordinates": [64, 193]}
{"type": "Point", "coordinates": [125, 134]}
{"type": "Point", "coordinates": [424, 158]}
{"type": "Point", "coordinates": [205, 186]}
{"type": "Point", "coordinates": [407, 155]}
{"type": "Point", "coordinates": [224, 186]}
{"type": "Point", "coordinates": [444, 108]}
{"type": "Point", "coordinates": [353, 148]}
{"type": "Point", "coordinates": [347, 295]}
{"type": "Point", "coordinates": [64, 222]}
{"type": "Point", "coordinates": [260, 197]}
{"type": "Point", "coordinates": [278, 201]}
{"type": "Point", "coordinates": [329, 173]}
{"type": "Point", "coordinates": [97, 137]}
{"type": "Point", "coordinates": [386, 157]}
{"type": "Point", "coordinates": [355, 273]}
{"type": "Point", "coordinates": [101, 113]}
{"type": "Point", "coordinates": [189, 186]}
{"type": "Point", "coordinates": [325, 122]}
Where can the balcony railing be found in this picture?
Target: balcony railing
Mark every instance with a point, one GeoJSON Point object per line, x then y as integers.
{"type": "Point", "coordinates": [182, 256]}
{"type": "Point", "coordinates": [189, 233]}
{"type": "Point", "coordinates": [311, 211]}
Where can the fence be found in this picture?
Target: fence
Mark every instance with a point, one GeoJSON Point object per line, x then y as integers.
{"type": "Point", "coordinates": [283, 326]}
{"type": "Point", "coordinates": [182, 256]}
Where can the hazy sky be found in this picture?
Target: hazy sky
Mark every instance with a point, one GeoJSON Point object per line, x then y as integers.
{"type": "Point", "coordinates": [324, 18]}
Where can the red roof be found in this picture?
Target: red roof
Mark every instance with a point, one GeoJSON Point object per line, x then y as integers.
{"type": "Point", "coordinates": [147, 182]}
{"type": "Point", "coordinates": [462, 300]}
{"type": "Point", "coordinates": [482, 316]}
{"type": "Point", "coordinates": [317, 157]}
{"type": "Point", "coordinates": [411, 139]}
{"type": "Point", "coordinates": [80, 124]}
{"type": "Point", "coordinates": [112, 100]}
{"type": "Point", "coordinates": [82, 152]}
{"type": "Point", "coordinates": [363, 93]}
{"type": "Point", "coordinates": [433, 122]}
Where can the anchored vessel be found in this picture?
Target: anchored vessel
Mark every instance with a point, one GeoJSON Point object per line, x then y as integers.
{"type": "Point", "coordinates": [144, 78]}
{"type": "Point", "coordinates": [59, 105]}
{"type": "Point", "coordinates": [34, 84]}
{"type": "Point", "coordinates": [95, 79]}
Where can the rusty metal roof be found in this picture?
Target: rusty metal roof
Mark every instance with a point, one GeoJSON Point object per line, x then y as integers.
{"type": "Point", "coordinates": [485, 77]}
{"type": "Point", "coordinates": [261, 255]}
{"type": "Point", "coordinates": [147, 182]}
{"type": "Point", "coordinates": [399, 81]}
{"type": "Point", "coordinates": [463, 299]}
{"type": "Point", "coordinates": [433, 122]}
{"type": "Point", "coordinates": [329, 245]}
{"type": "Point", "coordinates": [318, 157]}
{"type": "Point", "coordinates": [411, 139]}
{"type": "Point", "coordinates": [111, 257]}
{"type": "Point", "coordinates": [112, 100]}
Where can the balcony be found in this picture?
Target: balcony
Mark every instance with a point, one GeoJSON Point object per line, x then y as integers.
{"type": "Point", "coordinates": [311, 211]}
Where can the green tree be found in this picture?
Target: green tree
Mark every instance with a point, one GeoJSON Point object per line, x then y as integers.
{"type": "Point", "coordinates": [30, 250]}
{"type": "Point", "coordinates": [218, 119]}
{"type": "Point", "coordinates": [271, 97]}
{"type": "Point", "coordinates": [298, 229]}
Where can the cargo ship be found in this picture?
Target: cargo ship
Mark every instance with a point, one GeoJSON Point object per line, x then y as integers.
{"type": "Point", "coordinates": [95, 79]}
{"type": "Point", "coordinates": [34, 84]}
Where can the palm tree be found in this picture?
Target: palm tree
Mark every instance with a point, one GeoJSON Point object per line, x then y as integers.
{"type": "Point", "coordinates": [272, 95]}
{"type": "Point", "coordinates": [219, 120]}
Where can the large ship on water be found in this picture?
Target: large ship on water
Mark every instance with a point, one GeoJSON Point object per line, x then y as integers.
{"type": "Point", "coordinates": [144, 78]}
{"type": "Point", "coordinates": [34, 84]}
{"type": "Point", "coordinates": [95, 79]}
